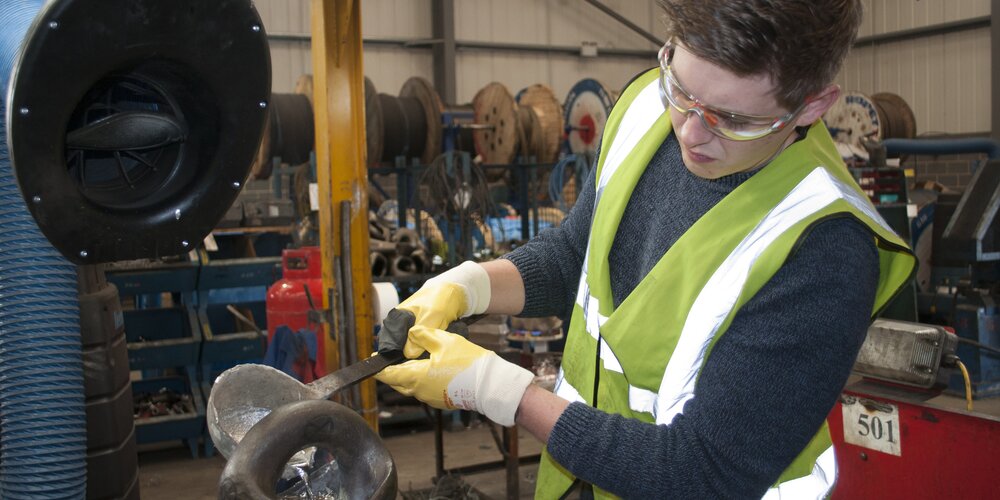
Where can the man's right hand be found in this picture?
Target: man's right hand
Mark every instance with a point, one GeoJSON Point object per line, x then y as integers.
{"type": "Point", "coordinates": [456, 293]}
{"type": "Point", "coordinates": [435, 305]}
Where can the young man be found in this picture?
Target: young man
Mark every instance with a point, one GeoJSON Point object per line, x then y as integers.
{"type": "Point", "coordinates": [722, 269]}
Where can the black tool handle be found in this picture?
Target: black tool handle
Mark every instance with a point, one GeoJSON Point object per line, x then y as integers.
{"type": "Point", "coordinates": [392, 338]}
{"type": "Point", "coordinates": [397, 324]}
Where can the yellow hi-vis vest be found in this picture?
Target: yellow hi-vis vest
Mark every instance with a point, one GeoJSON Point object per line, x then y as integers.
{"type": "Point", "coordinates": [649, 369]}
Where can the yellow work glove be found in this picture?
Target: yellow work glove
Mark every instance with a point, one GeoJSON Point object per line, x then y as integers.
{"type": "Point", "coordinates": [459, 375]}
{"type": "Point", "coordinates": [459, 292]}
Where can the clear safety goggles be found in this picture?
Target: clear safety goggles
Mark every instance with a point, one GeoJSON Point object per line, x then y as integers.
{"type": "Point", "coordinates": [725, 124]}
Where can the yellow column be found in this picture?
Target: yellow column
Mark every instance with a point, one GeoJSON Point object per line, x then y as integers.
{"type": "Point", "coordinates": [341, 171]}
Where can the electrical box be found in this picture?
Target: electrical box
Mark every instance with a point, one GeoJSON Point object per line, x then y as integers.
{"type": "Point", "coordinates": [905, 353]}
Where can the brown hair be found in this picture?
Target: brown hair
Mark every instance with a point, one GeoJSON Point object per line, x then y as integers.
{"type": "Point", "coordinates": [799, 44]}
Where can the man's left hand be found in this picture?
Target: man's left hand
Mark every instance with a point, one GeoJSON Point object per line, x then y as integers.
{"type": "Point", "coordinates": [459, 375]}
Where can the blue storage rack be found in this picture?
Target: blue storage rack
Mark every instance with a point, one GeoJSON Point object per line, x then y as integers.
{"type": "Point", "coordinates": [161, 339]}
{"type": "Point", "coordinates": [181, 347]}
{"type": "Point", "coordinates": [238, 282]}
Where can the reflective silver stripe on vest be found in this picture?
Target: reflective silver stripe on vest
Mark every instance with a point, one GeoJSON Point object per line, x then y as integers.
{"type": "Point", "coordinates": [645, 109]}
{"type": "Point", "coordinates": [717, 299]}
{"type": "Point", "coordinates": [566, 391]}
{"type": "Point", "coordinates": [638, 119]}
{"type": "Point", "coordinates": [814, 486]}
{"type": "Point", "coordinates": [594, 320]}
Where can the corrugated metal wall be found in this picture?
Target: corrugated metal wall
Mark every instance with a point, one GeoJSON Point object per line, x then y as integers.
{"type": "Point", "coordinates": [944, 78]}
{"type": "Point", "coordinates": [289, 59]}
{"type": "Point", "coordinates": [546, 22]}
{"type": "Point", "coordinates": [389, 67]}
{"type": "Point", "coordinates": [549, 22]}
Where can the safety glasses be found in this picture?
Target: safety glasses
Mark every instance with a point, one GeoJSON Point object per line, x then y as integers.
{"type": "Point", "coordinates": [725, 124]}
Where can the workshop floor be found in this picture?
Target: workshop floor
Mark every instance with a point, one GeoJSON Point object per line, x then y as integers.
{"type": "Point", "coordinates": [167, 471]}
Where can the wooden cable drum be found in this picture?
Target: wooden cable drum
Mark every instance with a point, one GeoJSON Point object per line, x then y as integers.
{"type": "Point", "coordinates": [292, 133]}
{"type": "Point", "coordinates": [288, 133]}
{"type": "Point", "coordinates": [530, 138]}
{"type": "Point", "coordinates": [418, 94]}
{"type": "Point", "coordinates": [373, 123]}
{"type": "Point", "coordinates": [586, 110]}
{"type": "Point", "coordinates": [850, 119]}
{"type": "Point", "coordinates": [398, 133]}
{"type": "Point", "coordinates": [895, 115]}
{"type": "Point", "coordinates": [529, 125]}
{"type": "Point", "coordinates": [548, 114]}
{"type": "Point", "coordinates": [407, 126]}
{"type": "Point", "coordinates": [494, 109]}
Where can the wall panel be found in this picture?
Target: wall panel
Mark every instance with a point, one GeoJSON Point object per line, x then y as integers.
{"type": "Point", "coordinates": [539, 22]}
{"type": "Point", "coordinates": [289, 58]}
{"type": "Point", "coordinates": [556, 22]}
{"type": "Point", "coordinates": [944, 78]}
{"type": "Point", "coordinates": [396, 18]}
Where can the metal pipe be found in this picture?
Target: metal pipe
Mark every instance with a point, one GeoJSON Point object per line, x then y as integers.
{"type": "Point", "coordinates": [629, 24]}
{"type": "Point", "coordinates": [989, 147]}
{"type": "Point", "coordinates": [925, 31]}
{"type": "Point", "coordinates": [510, 457]}
{"type": "Point", "coordinates": [438, 444]}
{"type": "Point", "coordinates": [351, 330]}
{"type": "Point", "coordinates": [429, 43]}
{"type": "Point", "coordinates": [443, 21]}
{"type": "Point", "coordinates": [556, 49]}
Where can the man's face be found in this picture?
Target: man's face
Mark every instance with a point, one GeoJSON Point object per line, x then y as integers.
{"type": "Point", "coordinates": [706, 154]}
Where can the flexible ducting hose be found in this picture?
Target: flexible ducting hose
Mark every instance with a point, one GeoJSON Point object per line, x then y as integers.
{"type": "Point", "coordinates": [986, 146]}
{"type": "Point", "coordinates": [43, 439]}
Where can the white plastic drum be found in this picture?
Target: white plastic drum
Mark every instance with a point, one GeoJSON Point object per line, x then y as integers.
{"type": "Point", "coordinates": [586, 111]}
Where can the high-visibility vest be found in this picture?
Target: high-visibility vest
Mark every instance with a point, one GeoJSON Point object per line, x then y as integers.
{"type": "Point", "coordinates": [649, 368]}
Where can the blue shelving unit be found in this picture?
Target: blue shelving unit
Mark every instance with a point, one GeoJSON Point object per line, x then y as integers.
{"type": "Point", "coordinates": [238, 282]}
{"type": "Point", "coordinates": [182, 344]}
{"type": "Point", "coordinates": [164, 342]}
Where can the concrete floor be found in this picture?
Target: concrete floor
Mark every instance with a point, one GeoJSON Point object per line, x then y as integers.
{"type": "Point", "coordinates": [167, 471]}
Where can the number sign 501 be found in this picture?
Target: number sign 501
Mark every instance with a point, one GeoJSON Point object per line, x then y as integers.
{"type": "Point", "coordinates": [871, 424]}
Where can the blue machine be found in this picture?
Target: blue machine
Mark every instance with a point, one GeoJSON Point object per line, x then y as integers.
{"type": "Point", "coordinates": [964, 288]}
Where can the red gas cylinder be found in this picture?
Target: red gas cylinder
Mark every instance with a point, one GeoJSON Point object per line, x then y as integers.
{"type": "Point", "coordinates": [287, 301]}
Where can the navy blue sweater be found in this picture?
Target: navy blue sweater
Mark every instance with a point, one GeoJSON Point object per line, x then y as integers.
{"type": "Point", "coordinates": [771, 379]}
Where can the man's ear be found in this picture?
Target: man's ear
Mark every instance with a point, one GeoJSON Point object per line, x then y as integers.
{"type": "Point", "coordinates": [818, 104]}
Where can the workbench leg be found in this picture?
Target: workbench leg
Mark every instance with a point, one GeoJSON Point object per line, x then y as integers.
{"type": "Point", "coordinates": [438, 445]}
{"type": "Point", "coordinates": [512, 459]}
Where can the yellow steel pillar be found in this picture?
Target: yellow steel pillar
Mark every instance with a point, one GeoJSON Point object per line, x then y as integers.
{"type": "Point", "coordinates": [341, 172]}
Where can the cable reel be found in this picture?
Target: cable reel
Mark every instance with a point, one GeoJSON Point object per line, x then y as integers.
{"type": "Point", "coordinates": [505, 127]}
{"type": "Point", "coordinates": [408, 125]}
{"type": "Point", "coordinates": [288, 132]}
{"type": "Point", "coordinates": [857, 118]}
{"type": "Point", "coordinates": [586, 110]}
{"type": "Point", "coordinates": [547, 120]}
{"type": "Point", "coordinates": [496, 124]}
{"type": "Point", "coordinates": [895, 115]}
{"type": "Point", "coordinates": [851, 120]}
